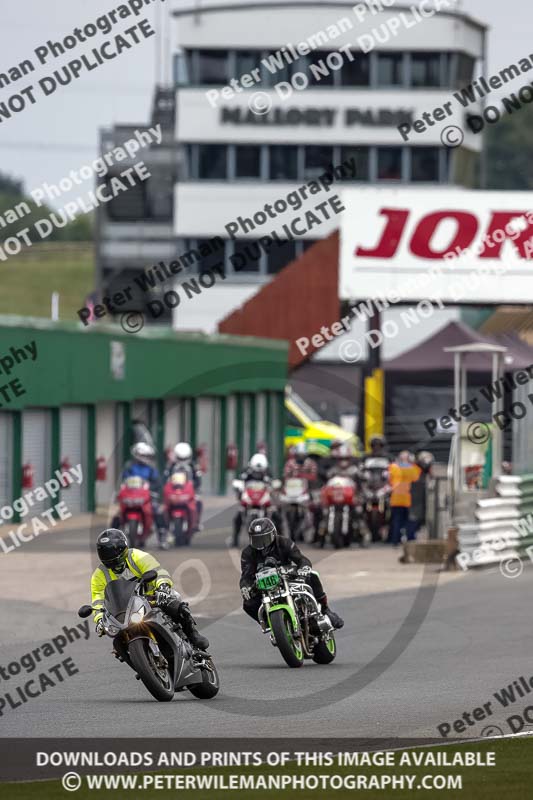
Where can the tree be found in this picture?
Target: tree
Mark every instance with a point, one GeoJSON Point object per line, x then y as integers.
{"type": "Point", "coordinates": [509, 151]}
{"type": "Point", "coordinates": [18, 211]}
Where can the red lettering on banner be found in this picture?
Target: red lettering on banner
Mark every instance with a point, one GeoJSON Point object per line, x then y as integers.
{"type": "Point", "coordinates": [467, 229]}
{"type": "Point", "coordinates": [467, 226]}
{"type": "Point", "coordinates": [391, 236]}
{"type": "Point", "coordinates": [500, 220]}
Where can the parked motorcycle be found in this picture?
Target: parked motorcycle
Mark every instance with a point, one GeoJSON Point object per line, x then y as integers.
{"type": "Point", "coordinates": [151, 644]}
{"type": "Point", "coordinates": [292, 616]}
{"type": "Point", "coordinates": [136, 515]}
{"type": "Point", "coordinates": [341, 513]}
{"type": "Point", "coordinates": [294, 501]}
{"type": "Point", "coordinates": [376, 492]}
{"type": "Point", "coordinates": [179, 500]}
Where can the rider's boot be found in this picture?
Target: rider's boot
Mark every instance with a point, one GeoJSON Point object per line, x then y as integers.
{"type": "Point", "coordinates": [336, 621]}
{"type": "Point", "coordinates": [190, 630]}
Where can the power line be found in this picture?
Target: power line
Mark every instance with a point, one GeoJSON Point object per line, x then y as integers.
{"type": "Point", "coordinates": [60, 146]}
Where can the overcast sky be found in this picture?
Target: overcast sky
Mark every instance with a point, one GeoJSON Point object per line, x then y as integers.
{"type": "Point", "coordinates": [60, 132]}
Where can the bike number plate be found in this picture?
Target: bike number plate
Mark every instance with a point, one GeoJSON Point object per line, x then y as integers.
{"type": "Point", "coordinates": [267, 579]}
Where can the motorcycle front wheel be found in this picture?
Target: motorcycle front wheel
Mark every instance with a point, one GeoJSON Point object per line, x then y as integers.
{"type": "Point", "coordinates": [178, 531]}
{"type": "Point", "coordinates": [337, 536]}
{"type": "Point", "coordinates": [156, 679]}
{"type": "Point", "coordinates": [325, 652]}
{"type": "Point", "coordinates": [132, 526]}
{"type": "Point", "coordinates": [288, 646]}
{"type": "Point", "coordinates": [374, 521]}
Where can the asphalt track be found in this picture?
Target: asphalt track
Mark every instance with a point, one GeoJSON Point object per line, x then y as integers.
{"type": "Point", "coordinates": [407, 661]}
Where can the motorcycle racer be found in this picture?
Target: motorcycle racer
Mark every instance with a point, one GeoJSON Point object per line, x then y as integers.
{"type": "Point", "coordinates": [118, 562]}
{"type": "Point", "coordinates": [265, 542]}
{"type": "Point", "coordinates": [299, 465]}
{"type": "Point", "coordinates": [343, 464]}
{"type": "Point", "coordinates": [256, 470]}
{"type": "Point", "coordinates": [142, 466]}
{"type": "Point", "coordinates": [184, 459]}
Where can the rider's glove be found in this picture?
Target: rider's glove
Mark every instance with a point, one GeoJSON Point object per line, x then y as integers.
{"type": "Point", "coordinates": [100, 630]}
{"type": "Point", "coordinates": [162, 594]}
{"type": "Point", "coordinates": [246, 592]}
{"type": "Point", "coordinates": [304, 571]}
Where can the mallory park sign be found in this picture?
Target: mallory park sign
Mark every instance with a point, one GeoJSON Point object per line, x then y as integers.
{"type": "Point", "coordinates": [319, 117]}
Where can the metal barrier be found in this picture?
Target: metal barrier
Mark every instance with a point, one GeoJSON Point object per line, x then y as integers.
{"type": "Point", "coordinates": [503, 527]}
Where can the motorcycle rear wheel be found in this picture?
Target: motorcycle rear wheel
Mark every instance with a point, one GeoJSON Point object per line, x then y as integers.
{"type": "Point", "coordinates": [142, 659]}
{"type": "Point", "coordinates": [289, 648]}
{"type": "Point", "coordinates": [210, 684]}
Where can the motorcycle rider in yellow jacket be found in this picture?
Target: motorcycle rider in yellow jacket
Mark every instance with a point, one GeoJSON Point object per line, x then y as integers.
{"type": "Point", "coordinates": [119, 562]}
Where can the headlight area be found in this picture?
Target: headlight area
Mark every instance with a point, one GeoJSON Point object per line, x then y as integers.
{"type": "Point", "coordinates": [137, 617]}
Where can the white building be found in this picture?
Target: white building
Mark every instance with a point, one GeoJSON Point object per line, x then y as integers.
{"type": "Point", "coordinates": [236, 160]}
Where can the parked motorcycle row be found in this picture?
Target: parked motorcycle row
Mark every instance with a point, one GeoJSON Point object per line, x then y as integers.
{"type": "Point", "coordinates": [343, 504]}
{"type": "Point", "coordinates": [346, 509]}
{"type": "Point", "coordinates": [179, 509]}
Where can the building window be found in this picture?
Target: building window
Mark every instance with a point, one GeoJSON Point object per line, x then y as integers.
{"type": "Point", "coordinates": [212, 162]}
{"type": "Point", "coordinates": [246, 61]}
{"type": "Point", "coordinates": [390, 69]}
{"type": "Point", "coordinates": [182, 68]}
{"type": "Point", "coordinates": [213, 67]}
{"type": "Point", "coordinates": [212, 254]}
{"type": "Point", "coordinates": [279, 70]}
{"type": "Point", "coordinates": [425, 69]}
{"type": "Point", "coordinates": [283, 162]}
{"type": "Point", "coordinates": [280, 255]}
{"type": "Point", "coordinates": [318, 158]}
{"type": "Point", "coordinates": [356, 72]}
{"type": "Point", "coordinates": [129, 206]}
{"type": "Point", "coordinates": [325, 75]}
{"type": "Point", "coordinates": [465, 69]}
{"type": "Point", "coordinates": [247, 161]}
{"type": "Point", "coordinates": [389, 163]}
{"type": "Point", "coordinates": [361, 157]}
{"type": "Point", "coordinates": [425, 164]}
{"type": "Point", "coordinates": [247, 255]}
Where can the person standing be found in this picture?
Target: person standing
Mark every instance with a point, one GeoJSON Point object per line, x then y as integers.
{"type": "Point", "coordinates": [402, 473]}
{"type": "Point", "coordinates": [417, 511]}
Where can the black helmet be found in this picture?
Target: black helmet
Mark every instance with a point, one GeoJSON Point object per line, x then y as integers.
{"type": "Point", "coordinates": [262, 533]}
{"type": "Point", "coordinates": [112, 549]}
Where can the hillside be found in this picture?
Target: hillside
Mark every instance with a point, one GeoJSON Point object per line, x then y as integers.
{"type": "Point", "coordinates": [28, 280]}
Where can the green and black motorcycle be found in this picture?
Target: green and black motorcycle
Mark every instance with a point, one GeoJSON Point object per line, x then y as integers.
{"type": "Point", "coordinates": [291, 615]}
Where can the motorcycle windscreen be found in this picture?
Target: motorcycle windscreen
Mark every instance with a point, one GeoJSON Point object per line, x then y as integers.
{"type": "Point", "coordinates": [117, 596]}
